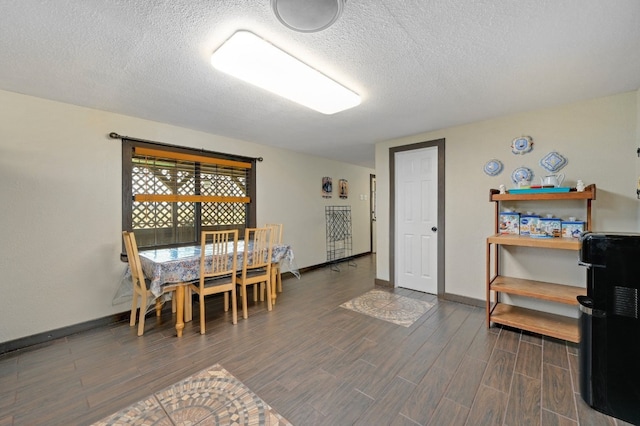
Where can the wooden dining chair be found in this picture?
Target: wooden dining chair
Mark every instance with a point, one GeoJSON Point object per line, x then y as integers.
{"type": "Point", "coordinates": [218, 272]}
{"type": "Point", "coordinates": [277, 229]}
{"type": "Point", "coordinates": [256, 264]}
{"type": "Point", "coordinates": [140, 284]}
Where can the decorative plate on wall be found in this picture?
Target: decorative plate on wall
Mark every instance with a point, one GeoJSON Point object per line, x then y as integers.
{"type": "Point", "coordinates": [493, 167]}
{"type": "Point", "coordinates": [522, 173]}
{"type": "Point", "coordinates": [522, 145]}
{"type": "Point", "coordinates": [552, 162]}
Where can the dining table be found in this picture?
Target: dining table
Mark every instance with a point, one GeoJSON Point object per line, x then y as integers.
{"type": "Point", "coordinates": [177, 267]}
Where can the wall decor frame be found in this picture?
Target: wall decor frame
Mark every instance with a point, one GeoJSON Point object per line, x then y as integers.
{"type": "Point", "coordinates": [522, 145]}
{"type": "Point", "coordinates": [327, 187]}
{"type": "Point", "coordinates": [343, 188]}
{"type": "Point", "coordinates": [522, 174]}
{"type": "Point", "coordinates": [553, 162]}
{"type": "Point", "coordinates": [493, 167]}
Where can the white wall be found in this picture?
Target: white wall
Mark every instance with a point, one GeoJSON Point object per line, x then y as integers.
{"type": "Point", "coordinates": [599, 137]}
{"type": "Point", "coordinates": [60, 186]}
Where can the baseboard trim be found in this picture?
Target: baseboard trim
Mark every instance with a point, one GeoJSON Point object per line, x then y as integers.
{"type": "Point", "coordinates": [48, 336]}
{"type": "Point", "coordinates": [286, 275]}
{"type": "Point", "coordinates": [464, 300]}
{"type": "Point", "coordinates": [383, 283]}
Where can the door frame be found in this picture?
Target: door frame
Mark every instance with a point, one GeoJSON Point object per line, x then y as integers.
{"type": "Point", "coordinates": [439, 143]}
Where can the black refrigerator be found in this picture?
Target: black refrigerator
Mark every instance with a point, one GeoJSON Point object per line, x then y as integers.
{"type": "Point", "coordinates": [609, 353]}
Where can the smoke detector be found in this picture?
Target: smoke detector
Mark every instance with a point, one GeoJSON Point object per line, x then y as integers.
{"type": "Point", "coordinates": [307, 16]}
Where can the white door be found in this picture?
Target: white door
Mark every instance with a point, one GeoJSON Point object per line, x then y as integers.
{"type": "Point", "coordinates": [416, 244]}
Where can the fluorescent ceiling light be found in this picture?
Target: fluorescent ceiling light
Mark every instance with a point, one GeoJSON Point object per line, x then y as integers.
{"type": "Point", "coordinates": [256, 61]}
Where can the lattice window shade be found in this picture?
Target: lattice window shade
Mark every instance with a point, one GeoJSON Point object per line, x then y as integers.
{"type": "Point", "coordinates": [227, 214]}
{"type": "Point", "coordinates": [167, 185]}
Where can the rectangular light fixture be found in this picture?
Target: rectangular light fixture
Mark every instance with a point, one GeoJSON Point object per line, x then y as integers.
{"type": "Point", "coordinates": [254, 60]}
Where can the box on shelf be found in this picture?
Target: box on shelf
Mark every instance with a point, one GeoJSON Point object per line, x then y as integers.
{"type": "Point", "coordinates": [509, 223]}
{"type": "Point", "coordinates": [528, 224]}
{"type": "Point", "coordinates": [572, 229]}
{"type": "Point", "coordinates": [550, 226]}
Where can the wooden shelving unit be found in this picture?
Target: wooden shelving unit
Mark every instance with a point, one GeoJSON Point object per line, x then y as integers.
{"type": "Point", "coordinates": [528, 319]}
{"type": "Point", "coordinates": [557, 326]}
{"type": "Point", "coordinates": [525, 241]}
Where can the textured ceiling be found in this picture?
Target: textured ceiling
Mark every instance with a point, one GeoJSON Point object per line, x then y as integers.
{"type": "Point", "coordinates": [419, 65]}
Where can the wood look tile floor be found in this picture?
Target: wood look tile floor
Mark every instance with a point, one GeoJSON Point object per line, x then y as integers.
{"type": "Point", "coordinates": [314, 362]}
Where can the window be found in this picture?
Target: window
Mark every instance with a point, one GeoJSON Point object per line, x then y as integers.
{"type": "Point", "coordinates": [170, 194]}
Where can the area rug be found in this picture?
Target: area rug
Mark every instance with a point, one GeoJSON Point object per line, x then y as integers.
{"type": "Point", "coordinates": [210, 397]}
{"type": "Point", "coordinates": [389, 307]}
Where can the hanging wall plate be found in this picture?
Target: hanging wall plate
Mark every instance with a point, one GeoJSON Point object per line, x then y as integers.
{"type": "Point", "coordinates": [522, 145]}
{"type": "Point", "coordinates": [522, 174]}
{"type": "Point", "coordinates": [552, 162]}
{"type": "Point", "coordinates": [493, 167]}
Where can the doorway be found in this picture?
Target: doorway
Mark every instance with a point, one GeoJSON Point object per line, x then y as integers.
{"type": "Point", "coordinates": [417, 216]}
{"type": "Point", "coordinates": [372, 209]}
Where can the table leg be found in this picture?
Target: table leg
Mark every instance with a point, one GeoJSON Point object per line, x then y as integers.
{"type": "Point", "coordinates": [179, 309]}
{"type": "Point", "coordinates": [158, 306]}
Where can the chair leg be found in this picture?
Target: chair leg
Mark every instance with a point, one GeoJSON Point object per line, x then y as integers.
{"type": "Point", "coordinates": [234, 307]}
{"type": "Point", "coordinates": [134, 309]}
{"type": "Point", "coordinates": [261, 291]}
{"type": "Point", "coordinates": [173, 303]}
{"type": "Point", "coordinates": [143, 310]}
{"type": "Point", "coordinates": [202, 329]}
{"type": "Point", "coordinates": [269, 303]}
{"type": "Point", "coordinates": [226, 301]}
{"type": "Point", "coordinates": [272, 282]}
{"type": "Point", "coordinates": [245, 314]}
{"type": "Point", "coordinates": [255, 293]}
{"type": "Point", "coordinates": [188, 304]}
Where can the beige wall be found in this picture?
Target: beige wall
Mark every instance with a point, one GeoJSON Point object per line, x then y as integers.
{"type": "Point", "coordinates": [60, 186]}
{"type": "Point", "coordinates": [599, 137]}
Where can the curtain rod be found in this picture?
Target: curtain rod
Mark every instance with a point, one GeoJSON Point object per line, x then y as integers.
{"type": "Point", "coordinates": [114, 135]}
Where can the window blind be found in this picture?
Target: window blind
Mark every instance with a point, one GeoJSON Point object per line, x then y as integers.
{"type": "Point", "coordinates": [174, 177]}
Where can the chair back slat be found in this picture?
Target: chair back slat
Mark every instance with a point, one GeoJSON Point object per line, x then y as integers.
{"type": "Point", "coordinates": [133, 257]}
{"type": "Point", "coordinates": [223, 246]}
{"type": "Point", "coordinates": [258, 246]}
{"type": "Point", "coordinates": [277, 229]}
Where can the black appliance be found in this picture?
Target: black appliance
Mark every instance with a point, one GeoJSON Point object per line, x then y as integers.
{"type": "Point", "coordinates": [610, 328]}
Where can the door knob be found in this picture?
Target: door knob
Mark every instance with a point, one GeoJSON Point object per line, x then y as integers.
{"type": "Point", "coordinates": [434, 229]}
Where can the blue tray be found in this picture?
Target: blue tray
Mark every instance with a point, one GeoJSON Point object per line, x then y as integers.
{"type": "Point", "coordinates": [539, 190]}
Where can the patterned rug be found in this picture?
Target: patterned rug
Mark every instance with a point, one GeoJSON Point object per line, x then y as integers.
{"type": "Point", "coordinates": [211, 397]}
{"type": "Point", "coordinates": [389, 307]}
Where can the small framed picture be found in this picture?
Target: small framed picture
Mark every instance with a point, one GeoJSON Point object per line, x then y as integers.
{"type": "Point", "coordinates": [343, 188]}
{"type": "Point", "coordinates": [327, 187]}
